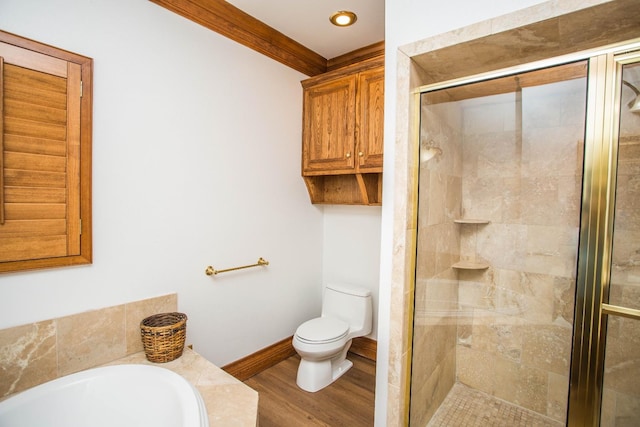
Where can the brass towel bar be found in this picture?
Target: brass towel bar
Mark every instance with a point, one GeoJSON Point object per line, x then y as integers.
{"type": "Point", "coordinates": [212, 271]}
{"type": "Point", "coordinates": [630, 313]}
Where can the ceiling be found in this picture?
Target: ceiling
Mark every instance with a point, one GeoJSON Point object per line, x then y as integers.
{"type": "Point", "coordinates": [307, 22]}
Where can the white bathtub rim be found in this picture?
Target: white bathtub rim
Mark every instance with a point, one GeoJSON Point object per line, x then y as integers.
{"type": "Point", "coordinates": [192, 409]}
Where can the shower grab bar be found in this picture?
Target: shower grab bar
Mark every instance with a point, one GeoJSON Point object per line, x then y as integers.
{"type": "Point", "coordinates": [212, 271]}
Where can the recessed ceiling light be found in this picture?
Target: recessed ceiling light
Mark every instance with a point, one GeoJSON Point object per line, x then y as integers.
{"type": "Point", "coordinates": [343, 18]}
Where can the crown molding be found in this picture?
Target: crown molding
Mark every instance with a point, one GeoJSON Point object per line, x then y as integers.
{"type": "Point", "coordinates": [231, 22]}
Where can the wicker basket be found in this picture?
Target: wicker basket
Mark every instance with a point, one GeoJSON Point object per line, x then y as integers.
{"type": "Point", "coordinates": [163, 336]}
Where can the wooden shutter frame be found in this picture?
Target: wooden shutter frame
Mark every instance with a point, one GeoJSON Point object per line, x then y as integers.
{"type": "Point", "coordinates": [84, 66]}
{"type": "Point", "coordinates": [2, 199]}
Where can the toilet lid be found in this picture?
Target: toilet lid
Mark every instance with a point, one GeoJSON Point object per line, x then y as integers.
{"type": "Point", "coordinates": [322, 329]}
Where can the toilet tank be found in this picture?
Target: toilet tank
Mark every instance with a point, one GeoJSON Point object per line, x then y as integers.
{"type": "Point", "coordinates": [351, 304]}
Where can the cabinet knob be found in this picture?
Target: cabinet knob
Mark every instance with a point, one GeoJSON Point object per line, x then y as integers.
{"type": "Point", "coordinates": [360, 154]}
{"type": "Point", "coordinates": [348, 155]}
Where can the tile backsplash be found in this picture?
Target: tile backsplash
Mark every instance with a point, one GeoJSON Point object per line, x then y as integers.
{"type": "Point", "coordinates": [39, 352]}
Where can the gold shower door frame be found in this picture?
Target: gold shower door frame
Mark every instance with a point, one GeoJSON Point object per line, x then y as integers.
{"type": "Point", "coordinates": [596, 237]}
{"type": "Point", "coordinates": [597, 217]}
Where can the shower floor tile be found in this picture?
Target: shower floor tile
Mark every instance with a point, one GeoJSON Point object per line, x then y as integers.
{"type": "Point", "coordinates": [466, 407]}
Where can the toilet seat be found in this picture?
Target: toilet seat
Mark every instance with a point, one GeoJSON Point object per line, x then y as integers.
{"type": "Point", "coordinates": [322, 330]}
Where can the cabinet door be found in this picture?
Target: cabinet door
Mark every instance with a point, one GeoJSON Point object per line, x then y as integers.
{"type": "Point", "coordinates": [328, 127]}
{"type": "Point", "coordinates": [370, 120]}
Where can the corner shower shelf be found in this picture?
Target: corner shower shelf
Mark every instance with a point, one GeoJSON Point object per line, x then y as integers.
{"type": "Point", "coordinates": [470, 265]}
{"type": "Point", "coordinates": [471, 221]}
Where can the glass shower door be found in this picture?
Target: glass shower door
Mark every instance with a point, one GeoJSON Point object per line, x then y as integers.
{"type": "Point", "coordinates": [499, 180]}
{"type": "Point", "coordinates": [621, 378]}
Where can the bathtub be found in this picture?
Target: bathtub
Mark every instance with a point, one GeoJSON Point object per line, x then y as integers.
{"type": "Point", "coordinates": [119, 395]}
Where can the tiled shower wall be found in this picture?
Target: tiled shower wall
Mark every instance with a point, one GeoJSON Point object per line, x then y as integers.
{"type": "Point", "coordinates": [36, 353]}
{"type": "Point", "coordinates": [436, 293]}
{"type": "Point", "coordinates": [514, 337]}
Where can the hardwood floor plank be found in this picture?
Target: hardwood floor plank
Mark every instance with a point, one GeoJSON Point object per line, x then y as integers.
{"type": "Point", "coordinates": [314, 406]}
{"type": "Point", "coordinates": [275, 409]}
{"type": "Point", "coordinates": [349, 401]}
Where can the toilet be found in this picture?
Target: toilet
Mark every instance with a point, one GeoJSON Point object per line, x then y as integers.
{"type": "Point", "coordinates": [323, 342]}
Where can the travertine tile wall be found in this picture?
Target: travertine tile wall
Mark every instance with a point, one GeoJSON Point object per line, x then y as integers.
{"type": "Point", "coordinates": [39, 352]}
{"type": "Point", "coordinates": [515, 342]}
{"type": "Point", "coordinates": [621, 395]}
{"type": "Point", "coordinates": [438, 247]}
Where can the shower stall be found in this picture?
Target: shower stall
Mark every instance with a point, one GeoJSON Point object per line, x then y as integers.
{"type": "Point", "coordinates": [527, 266]}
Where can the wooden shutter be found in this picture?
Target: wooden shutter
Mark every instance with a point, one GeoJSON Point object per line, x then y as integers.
{"type": "Point", "coordinates": [41, 98]}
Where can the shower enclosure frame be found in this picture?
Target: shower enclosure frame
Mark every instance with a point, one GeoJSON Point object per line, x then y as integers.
{"type": "Point", "coordinates": [596, 219]}
{"type": "Point", "coordinates": [596, 237]}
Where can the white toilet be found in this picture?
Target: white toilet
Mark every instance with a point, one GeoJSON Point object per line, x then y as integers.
{"type": "Point", "coordinates": [323, 342]}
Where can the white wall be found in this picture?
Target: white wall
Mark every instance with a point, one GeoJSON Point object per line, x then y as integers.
{"type": "Point", "coordinates": [351, 251]}
{"type": "Point", "coordinates": [408, 21]}
{"type": "Point", "coordinates": [193, 165]}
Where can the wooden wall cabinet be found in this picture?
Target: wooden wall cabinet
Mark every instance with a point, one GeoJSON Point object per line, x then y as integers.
{"type": "Point", "coordinates": [45, 156]}
{"type": "Point", "coordinates": [342, 136]}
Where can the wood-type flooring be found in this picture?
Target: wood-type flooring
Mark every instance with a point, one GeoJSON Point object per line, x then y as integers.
{"type": "Point", "coordinates": [349, 401]}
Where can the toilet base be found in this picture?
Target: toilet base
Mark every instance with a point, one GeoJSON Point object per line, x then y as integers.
{"type": "Point", "coordinates": [314, 376]}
